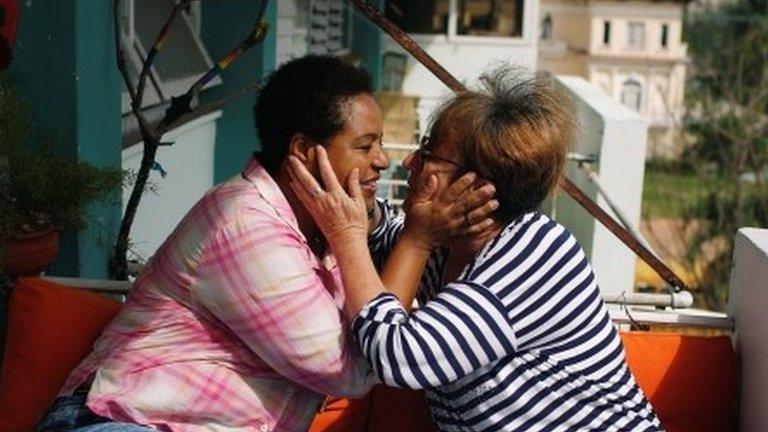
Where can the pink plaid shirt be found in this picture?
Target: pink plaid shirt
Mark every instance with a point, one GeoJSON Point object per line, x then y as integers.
{"type": "Point", "coordinates": [234, 325]}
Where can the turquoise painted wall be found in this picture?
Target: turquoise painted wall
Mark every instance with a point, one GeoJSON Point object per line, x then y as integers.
{"type": "Point", "coordinates": [64, 63]}
{"type": "Point", "coordinates": [366, 42]}
{"type": "Point", "coordinates": [225, 23]}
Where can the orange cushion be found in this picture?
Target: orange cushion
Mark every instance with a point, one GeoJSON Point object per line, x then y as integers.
{"type": "Point", "coordinates": [691, 381]}
{"type": "Point", "coordinates": [50, 330]}
{"type": "Point", "coordinates": [384, 409]}
{"type": "Point", "coordinates": [342, 415]}
{"type": "Point", "coordinates": [402, 410]}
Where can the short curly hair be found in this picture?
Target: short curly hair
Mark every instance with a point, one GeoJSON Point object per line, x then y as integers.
{"type": "Point", "coordinates": [515, 132]}
{"type": "Point", "coordinates": [306, 95]}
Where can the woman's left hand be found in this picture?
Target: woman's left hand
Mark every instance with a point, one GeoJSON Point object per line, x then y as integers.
{"type": "Point", "coordinates": [462, 209]}
{"type": "Point", "coordinates": [340, 216]}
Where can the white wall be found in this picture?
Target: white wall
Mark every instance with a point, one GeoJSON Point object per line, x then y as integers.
{"type": "Point", "coordinates": [617, 136]}
{"type": "Point", "coordinates": [464, 57]}
{"type": "Point", "coordinates": [291, 29]}
{"type": "Point", "coordinates": [189, 164]}
{"type": "Point", "coordinates": [748, 306]}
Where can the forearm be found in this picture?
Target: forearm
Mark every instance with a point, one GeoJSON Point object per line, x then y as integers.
{"type": "Point", "coordinates": [361, 281]}
{"type": "Point", "coordinates": [402, 272]}
{"type": "Point", "coordinates": [464, 329]}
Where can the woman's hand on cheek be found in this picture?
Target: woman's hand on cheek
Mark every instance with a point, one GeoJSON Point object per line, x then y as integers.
{"type": "Point", "coordinates": [463, 208]}
{"type": "Point", "coordinates": [340, 216]}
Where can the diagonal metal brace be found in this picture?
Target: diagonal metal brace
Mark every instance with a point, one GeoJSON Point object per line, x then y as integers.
{"type": "Point", "coordinates": [405, 41]}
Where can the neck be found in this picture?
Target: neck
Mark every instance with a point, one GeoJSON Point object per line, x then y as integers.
{"type": "Point", "coordinates": [306, 224]}
{"type": "Point", "coordinates": [463, 250]}
{"type": "Point", "coordinates": [471, 245]}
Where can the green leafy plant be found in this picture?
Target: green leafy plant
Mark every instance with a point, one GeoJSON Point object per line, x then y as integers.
{"type": "Point", "coordinates": [39, 187]}
{"type": "Point", "coordinates": [726, 126]}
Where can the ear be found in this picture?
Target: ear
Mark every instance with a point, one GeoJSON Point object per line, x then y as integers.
{"type": "Point", "coordinates": [301, 147]}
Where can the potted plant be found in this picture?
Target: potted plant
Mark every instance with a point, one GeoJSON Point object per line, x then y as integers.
{"type": "Point", "coordinates": [41, 191]}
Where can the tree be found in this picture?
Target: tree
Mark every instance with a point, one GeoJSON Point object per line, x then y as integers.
{"type": "Point", "coordinates": [727, 135]}
{"type": "Point", "coordinates": [179, 111]}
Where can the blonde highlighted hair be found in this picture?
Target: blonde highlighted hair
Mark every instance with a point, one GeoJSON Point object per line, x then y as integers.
{"type": "Point", "coordinates": [515, 131]}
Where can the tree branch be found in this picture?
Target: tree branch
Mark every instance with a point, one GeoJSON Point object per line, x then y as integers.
{"type": "Point", "coordinates": [177, 113]}
{"type": "Point", "coordinates": [210, 107]}
{"type": "Point", "coordinates": [156, 47]}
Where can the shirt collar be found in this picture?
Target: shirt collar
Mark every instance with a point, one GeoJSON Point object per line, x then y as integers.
{"type": "Point", "coordinates": [270, 192]}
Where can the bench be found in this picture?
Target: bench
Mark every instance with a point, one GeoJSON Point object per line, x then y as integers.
{"type": "Point", "coordinates": [690, 380]}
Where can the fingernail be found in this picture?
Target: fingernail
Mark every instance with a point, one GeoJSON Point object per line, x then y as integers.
{"type": "Point", "coordinates": [494, 204]}
{"type": "Point", "coordinates": [491, 189]}
{"type": "Point", "coordinates": [472, 176]}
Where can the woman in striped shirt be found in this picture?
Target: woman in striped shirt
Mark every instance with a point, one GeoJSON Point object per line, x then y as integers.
{"type": "Point", "coordinates": [512, 333]}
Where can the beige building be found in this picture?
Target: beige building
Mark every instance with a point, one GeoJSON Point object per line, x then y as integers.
{"type": "Point", "coordinates": [633, 50]}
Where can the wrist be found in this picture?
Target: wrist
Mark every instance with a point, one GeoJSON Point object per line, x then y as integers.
{"type": "Point", "coordinates": [347, 239]}
{"type": "Point", "coordinates": [419, 241]}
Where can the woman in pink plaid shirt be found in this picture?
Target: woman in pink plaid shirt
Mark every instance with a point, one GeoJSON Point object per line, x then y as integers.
{"type": "Point", "coordinates": [237, 322]}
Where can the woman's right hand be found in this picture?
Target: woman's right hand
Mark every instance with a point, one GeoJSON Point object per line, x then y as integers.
{"type": "Point", "coordinates": [464, 208]}
{"type": "Point", "coordinates": [339, 215]}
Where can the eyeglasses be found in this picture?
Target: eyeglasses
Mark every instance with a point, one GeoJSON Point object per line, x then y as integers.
{"type": "Point", "coordinates": [423, 154]}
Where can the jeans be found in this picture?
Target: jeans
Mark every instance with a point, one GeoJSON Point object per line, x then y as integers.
{"type": "Point", "coordinates": [70, 414]}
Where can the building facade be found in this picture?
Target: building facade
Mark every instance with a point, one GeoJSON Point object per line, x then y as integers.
{"type": "Point", "coordinates": [632, 50]}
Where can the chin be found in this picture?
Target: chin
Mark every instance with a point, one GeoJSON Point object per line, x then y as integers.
{"type": "Point", "coordinates": [369, 203]}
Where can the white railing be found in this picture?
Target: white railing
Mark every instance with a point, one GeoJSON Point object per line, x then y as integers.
{"type": "Point", "coordinates": [388, 186]}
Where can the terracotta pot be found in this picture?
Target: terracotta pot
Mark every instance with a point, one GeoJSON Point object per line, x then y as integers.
{"type": "Point", "coordinates": [29, 254]}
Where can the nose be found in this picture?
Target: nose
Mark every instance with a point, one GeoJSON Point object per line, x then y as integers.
{"type": "Point", "coordinates": [409, 163]}
{"type": "Point", "coordinates": [381, 160]}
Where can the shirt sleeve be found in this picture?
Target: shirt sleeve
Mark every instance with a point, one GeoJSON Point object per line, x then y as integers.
{"type": "Point", "coordinates": [382, 239]}
{"type": "Point", "coordinates": [463, 329]}
{"type": "Point", "coordinates": [261, 282]}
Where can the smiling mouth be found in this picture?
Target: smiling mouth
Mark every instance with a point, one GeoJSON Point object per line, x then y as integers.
{"type": "Point", "coordinates": [370, 185]}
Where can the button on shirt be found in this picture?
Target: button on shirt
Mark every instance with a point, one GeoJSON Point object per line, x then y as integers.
{"type": "Point", "coordinates": [234, 325]}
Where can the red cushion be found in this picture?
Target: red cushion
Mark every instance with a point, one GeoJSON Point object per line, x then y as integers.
{"type": "Point", "coordinates": [343, 415]}
{"type": "Point", "coordinates": [691, 381]}
{"type": "Point", "coordinates": [51, 328]}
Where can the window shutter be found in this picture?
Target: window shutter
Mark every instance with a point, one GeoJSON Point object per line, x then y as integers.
{"type": "Point", "coordinates": [327, 33]}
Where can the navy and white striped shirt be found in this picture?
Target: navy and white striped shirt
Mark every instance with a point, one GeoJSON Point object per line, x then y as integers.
{"type": "Point", "coordinates": [520, 341]}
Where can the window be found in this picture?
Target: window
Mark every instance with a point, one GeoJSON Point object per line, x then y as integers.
{"type": "Point", "coordinates": [496, 18]}
{"type": "Point", "coordinates": [631, 92]}
{"type": "Point", "coordinates": [393, 71]}
{"type": "Point", "coordinates": [546, 27]}
{"type": "Point", "coordinates": [665, 36]}
{"type": "Point", "coordinates": [329, 24]}
{"type": "Point", "coordinates": [502, 18]}
{"type": "Point", "coordinates": [183, 59]}
{"type": "Point", "coordinates": [606, 32]}
{"type": "Point", "coordinates": [421, 17]}
{"type": "Point", "coordinates": [636, 35]}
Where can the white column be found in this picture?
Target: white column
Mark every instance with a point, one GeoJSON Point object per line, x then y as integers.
{"type": "Point", "coordinates": [616, 135]}
{"type": "Point", "coordinates": [748, 306]}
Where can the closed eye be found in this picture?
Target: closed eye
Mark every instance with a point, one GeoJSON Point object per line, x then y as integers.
{"type": "Point", "coordinates": [367, 142]}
